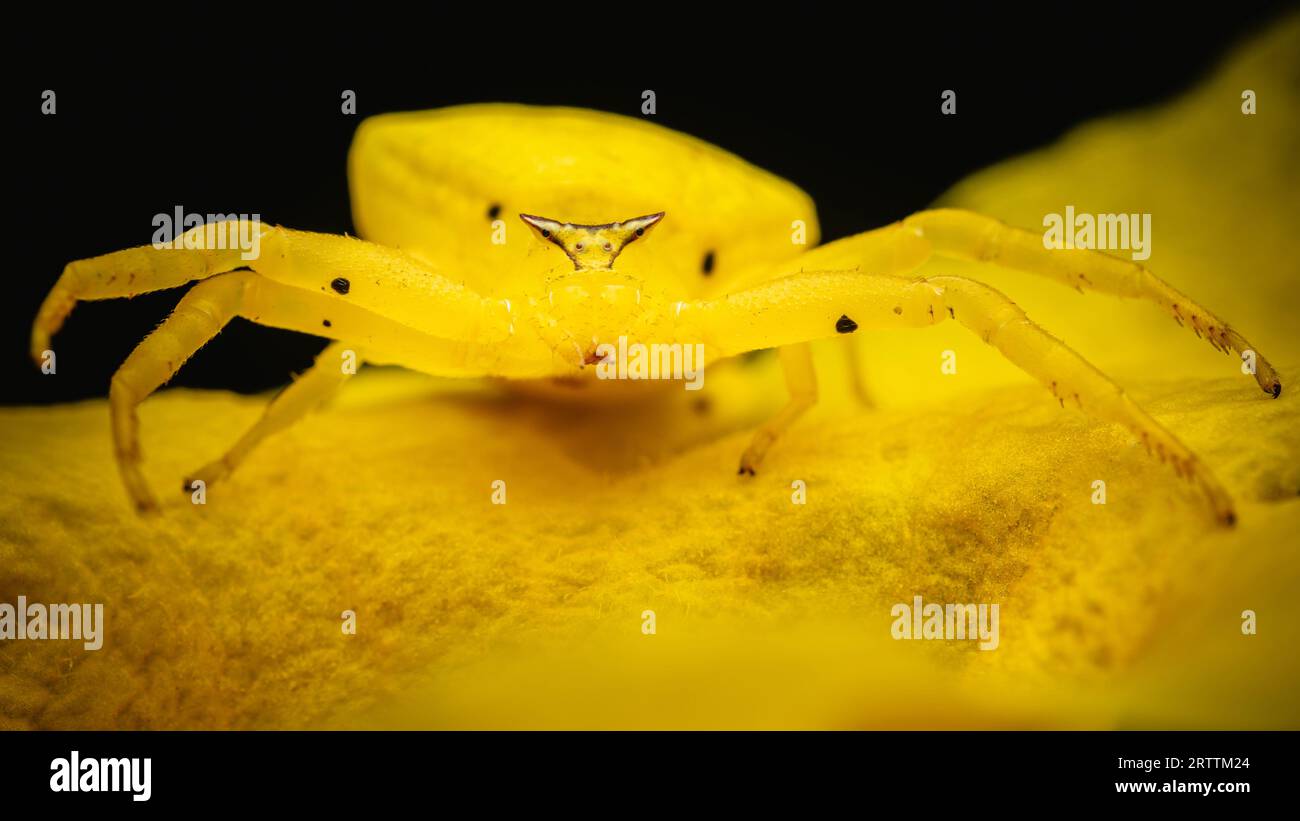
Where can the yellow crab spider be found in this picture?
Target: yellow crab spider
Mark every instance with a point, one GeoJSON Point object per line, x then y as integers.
{"type": "Point", "coordinates": [443, 284]}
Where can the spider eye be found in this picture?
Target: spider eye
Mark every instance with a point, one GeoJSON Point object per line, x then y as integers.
{"type": "Point", "coordinates": [578, 247]}
{"type": "Point", "coordinates": [608, 246]}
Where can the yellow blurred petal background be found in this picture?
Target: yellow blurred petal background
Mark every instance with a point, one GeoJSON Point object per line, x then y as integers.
{"type": "Point", "coordinates": [968, 488]}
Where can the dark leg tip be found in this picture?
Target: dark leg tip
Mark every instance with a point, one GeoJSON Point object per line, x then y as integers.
{"type": "Point", "coordinates": [745, 470]}
{"type": "Point", "coordinates": [1231, 519]}
{"type": "Point", "coordinates": [1277, 389]}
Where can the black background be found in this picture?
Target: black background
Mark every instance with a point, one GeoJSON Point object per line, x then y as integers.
{"type": "Point", "coordinates": [846, 106]}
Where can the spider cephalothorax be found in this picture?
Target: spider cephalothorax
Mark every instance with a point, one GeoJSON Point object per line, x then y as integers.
{"type": "Point", "coordinates": [592, 305]}
{"type": "Point", "coordinates": [739, 269]}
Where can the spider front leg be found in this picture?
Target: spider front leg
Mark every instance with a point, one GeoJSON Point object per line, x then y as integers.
{"type": "Point", "coordinates": [383, 280]}
{"type": "Point", "coordinates": [303, 282]}
{"type": "Point", "coordinates": [947, 232]}
{"type": "Point", "coordinates": [803, 307]}
{"type": "Point", "coordinates": [131, 272]}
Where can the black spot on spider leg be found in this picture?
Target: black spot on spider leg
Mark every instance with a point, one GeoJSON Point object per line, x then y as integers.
{"type": "Point", "coordinates": [707, 266]}
{"type": "Point", "coordinates": [341, 285]}
{"type": "Point", "coordinates": [844, 325]}
{"type": "Point", "coordinates": [327, 323]}
{"type": "Point", "coordinates": [494, 211]}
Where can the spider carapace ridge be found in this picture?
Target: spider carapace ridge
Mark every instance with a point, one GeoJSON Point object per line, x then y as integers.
{"type": "Point", "coordinates": [441, 283]}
